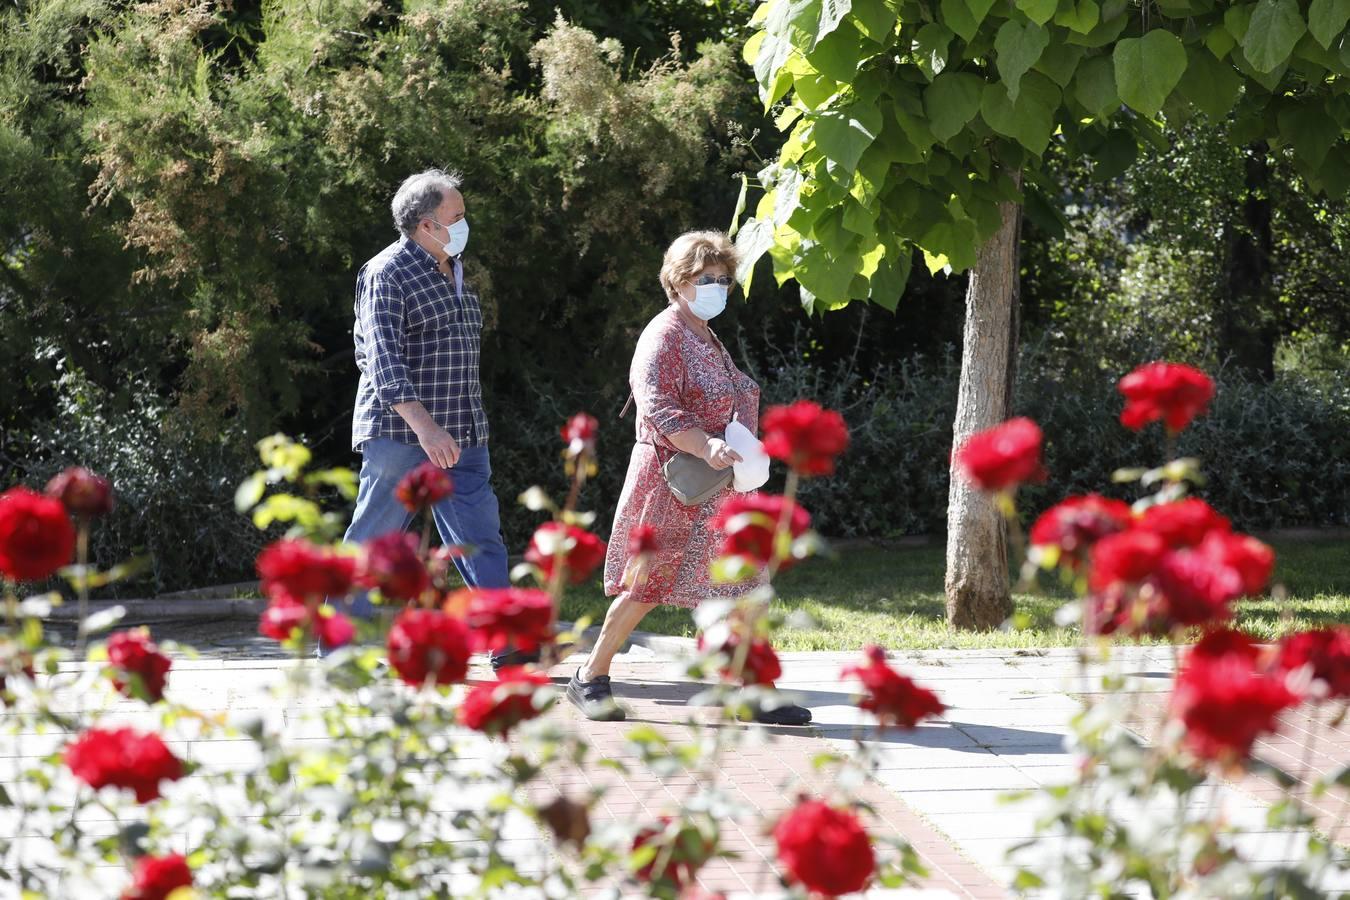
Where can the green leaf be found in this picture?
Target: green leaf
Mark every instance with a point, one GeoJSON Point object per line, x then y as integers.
{"type": "Point", "coordinates": [1081, 17]}
{"type": "Point", "coordinates": [887, 283]}
{"type": "Point", "coordinates": [874, 20]}
{"type": "Point", "coordinates": [740, 208]}
{"type": "Point", "coordinates": [1326, 20]}
{"type": "Point", "coordinates": [1094, 86]}
{"type": "Point", "coordinates": [1038, 11]}
{"type": "Point", "coordinates": [1018, 47]}
{"type": "Point", "coordinates": [1031, 119]}
{"type": "Point", "coordinates": [1220, 42]}
{"type": "Point", "coordinates": [979, 9]}
{"type": "Point", "coordinates": [1116, 154]}
{"type": "Point", "coordinates": [1237, 19]}
{"type": "Point", "coordinates": [959, 18]}
{"type": "Point", "coordinates": [1116, 17]}
{"type": "Point", "coordinates": [1310, 129]}
{"type": "Point", "coordinates": [1275, 29]}
{"type": "Point", "coordinates": [930, 48]}
{"type": "Point", "coordinates": [1148, 68]}
{"type": "Point", "coordinates": [832, 12]}
{"type": "Point", "coordinates": [840, 54]}
{"type": "Point", "coordinates": [1059, 61]}
{"type": "Point", "coordinates": [1211, 84]}
{"type": "Point", "coordinates": [843, 134]}
{"type": "Point", "coordinates": [951, 101]}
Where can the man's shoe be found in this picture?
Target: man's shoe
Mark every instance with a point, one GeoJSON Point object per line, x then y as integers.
{"type": "Point", "coordinates": [513, 658]}
{"type": "Point", "coordinates": [595, 698]}
{"type": "Point", "coordinates": [788, 714]}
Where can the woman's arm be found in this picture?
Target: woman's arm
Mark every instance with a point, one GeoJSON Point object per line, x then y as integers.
{"type": "Point", "coordinates": [657, 379]}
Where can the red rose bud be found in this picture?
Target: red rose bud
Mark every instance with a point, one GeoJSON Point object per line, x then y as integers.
{"type": "Point", "coordinates": [805, 436]}
{"type": "Point", "coordinates": [84, 494]}
{"type": "Point", "coordinates": [1183, 523]}
{"type": "Point", "coordinates": [425, 644]}
{"type": "Point", "coordinates": [825, 850]}
{"type": "Point", "coordinates": [123, 758]}
{"type": "Point", "coordinates": [132, 653]}
{"type": "Point", "coordinates": [893, 698]}
{"type": "Point", "coordinates": [392, 565]}
{"type": "Point", "coordinates": [282, 616]}
{"type": "Point", "coordinates": [580, 551]}
{"type": "Point", "coordinates": [1159, 390]}
{"type": "Point", "coordinates": [1226, 703]}
{"type": "Point", "coordinates": [156, 877]}
{"type": "Point", "coordinates": [302, 571]}
{"type": "Point", "coordinates": [424, 487]}
{"type": "Point", "coordinates": [1326, 651]}
{"type": "Point", "coordinates": [1002, 457]}
{"type": "Point", "coordinates": [36, 535]}
{"type": "Point", "coordinates": [750, 521]}
{"type": "Point", "coordinates": [498, 618]}
{"type": "Point", "coordinates": [761, 666]}
{"type": "Point", "coordinates": [497, 707]}
{"type": "Point", "coordinates": [680, 852]}
{"type": "Point", "coordinates": [579, 433]}
{"type": "Point", "coordinates": [642, 540]}
{"type": "Point", "coordinates": [1077, 523]}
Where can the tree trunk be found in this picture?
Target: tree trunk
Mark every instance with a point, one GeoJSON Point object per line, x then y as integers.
{"type": "Point", "coordinates": [1247, 328]}
{"type": "Point", "coordinates": [978, 596]}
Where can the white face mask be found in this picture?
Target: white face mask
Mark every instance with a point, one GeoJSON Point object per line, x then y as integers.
{"type": "Point", "coordinates": [709, 301]}
{"type": "Point", "coordinates": [459, 237]}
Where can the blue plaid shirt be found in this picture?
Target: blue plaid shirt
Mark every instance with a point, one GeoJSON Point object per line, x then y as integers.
{"type": "Point", "coordinates": [418, 336]}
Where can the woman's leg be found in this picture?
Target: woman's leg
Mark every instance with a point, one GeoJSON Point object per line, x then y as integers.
{"type": "Point", "coordinates": [623, 616]}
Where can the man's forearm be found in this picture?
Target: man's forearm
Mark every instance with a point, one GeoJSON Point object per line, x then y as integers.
{"type": "Point", "coordinates": [417, 417]}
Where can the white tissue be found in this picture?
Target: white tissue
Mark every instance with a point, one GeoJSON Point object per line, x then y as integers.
{"type": "Point", "coordinates": [753, 470]}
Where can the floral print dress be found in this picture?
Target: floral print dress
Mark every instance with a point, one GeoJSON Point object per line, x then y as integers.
{"type": "Point", "coordinates": [679, 382]}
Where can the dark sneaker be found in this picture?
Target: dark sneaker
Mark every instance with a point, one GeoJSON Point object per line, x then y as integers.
{"type": "Point", "coordinates": [513, 658]}
{"type": "Point", "coordinates": [595, 698]}
{"type": "Point", "coordinates": [789, 714]}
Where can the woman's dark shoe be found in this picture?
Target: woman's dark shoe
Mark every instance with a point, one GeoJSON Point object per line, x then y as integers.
{"type": "Point", "coordinates": [787, 714]}
{"type": "Point", "coordinates": [513, 658]}
{"type": "Point", "coordinates": [595, 698]}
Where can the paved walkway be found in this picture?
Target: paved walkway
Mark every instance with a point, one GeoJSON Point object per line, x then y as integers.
{"type": "Point", "coordinates": [940, 785]}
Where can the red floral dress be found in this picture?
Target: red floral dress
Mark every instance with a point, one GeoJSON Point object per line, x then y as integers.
{"type": "Point", "coordinates": [679, 382]}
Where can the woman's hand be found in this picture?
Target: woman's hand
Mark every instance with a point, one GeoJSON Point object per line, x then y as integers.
{"type": "Point", "coordinates": [717, 454]}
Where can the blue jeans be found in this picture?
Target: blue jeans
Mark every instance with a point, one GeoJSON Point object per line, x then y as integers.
{"type": "Point", "coordinates": [469, 516]}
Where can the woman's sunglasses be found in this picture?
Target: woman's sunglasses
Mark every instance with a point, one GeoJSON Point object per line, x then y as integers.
{"type": "Point", "coordinates": [725, 281]}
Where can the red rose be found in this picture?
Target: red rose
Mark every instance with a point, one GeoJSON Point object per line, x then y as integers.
{"type": "Point", "coordinates": [156, 877]}
{"type": "Point", "coordinates": [1197, 590]}
{"type": "Point", "coordinates": [498, 618]}
{"type": "Point", "coordinates": [1174, 393]}
{"type": "Point", "coordinates": [761, 662]}
{"type": "Point", "coordinates": [1326, 651]}
{"type": "Point", "coordinates": [681, 850]}
{"type": "Point", "coordinates": [427, 644]}
{"type": "Point", "coordinates": [1002, 457]}
{"type": "Point", "coordinates": [282, 616]}
{"type": "Point", "coordinates": [1077, 523]}
{"type": "Point", "coordinates": [826, 850]}
{"type": "Point", "coordinates": [579, 433]}
{"type": "Point", "coordinates": [391, 564]}
{"type": "Point", "coordinates": [497, 707]}
{"type": "Point", "coordinates": [1226, 703]}
{"type": "Point", "coordinates": [1183, 523]}
{"type": "Point", "coordinates": [805, 436]}
{"type": "Point", "coordinates": [332, 628]}
{"type": "Point", "coordinates": [132, 653]}
{"type": "Point", "coordinates": [423, 487]}
{"type": "Point", "coordinates": [750, 521]}
{"type": "Point", "coordinates": [581, 552]}
{"type": "Point", "coordinates": [1252, 560]}
{"type": "Point", "coordinates": [84, 494]}
{"type": "Point", "coordinates": [1221, 642]}
{"type": "Point", "coordinates": [36, 535]}
{"type": "Point", "coordinates": [302, 571]}
{"type": "Point", "coordinates": [893, 698]}
{"type": "Point", "coordinates": [123, 758]}
{"type": "Point", "coordinates": [1125, 558]}
{"type": "Point", "coordinates": [642, 541]}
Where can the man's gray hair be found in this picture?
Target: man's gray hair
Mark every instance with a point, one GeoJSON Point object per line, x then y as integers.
{"type": "Point", "coordinates": [419, 195]}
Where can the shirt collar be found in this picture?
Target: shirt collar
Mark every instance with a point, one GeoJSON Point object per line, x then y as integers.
{"type": "Point", "coordinates": [422, 255]}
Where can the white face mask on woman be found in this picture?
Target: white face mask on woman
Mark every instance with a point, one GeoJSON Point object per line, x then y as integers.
{"type": "Point", "coordinates": [710, 298]}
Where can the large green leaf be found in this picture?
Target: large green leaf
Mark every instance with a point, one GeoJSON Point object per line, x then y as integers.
{"type": "Point", "coordinates": [1030, 119]}
{"type": "Point", "coordinates": [752, 240]}
{"type": "Point", "coordinates": [887, 283]}
{"type": "Point", "coordinates": [1327, 18]}
{"type": "Point", "coordinates": [1018, 47]}
{"type": "Point", "coordinates": [957, 16]}
{"type": "Point", "coordinates": [832, 12]}
{"type": "Point", "coordinates": [1094, 86]}
{"type": "Point", "coordinates": [1059, 61]}
{"type": "Point", "coordinates": [1148, 68]}
{"type": "Point", "coordinates": [1115, 154]}
{"type": "Point", "coordinates": [951, 101]}
{"type": "Point", "coordinates": [840, 53]}
{"type": "Point", "coordinates": [1081, 17]}
{"type": "Point", "coordinates": [824, 274]}
{"type": "Point", "coordinates": [843, 134]}
{"type": "Point", "coordinates": [979, 9]}
{"type": "Point", "coordinates": [930, 48]}
{"type": "Point", "coordinates": [1273, 33]}
{"type": "Point", "coordinates": [1038, 11]}
{"type": "Point", "coordinates": [1211, 84]}
{"type": "Point", "coordinates": [875, 20]}
{"type": "Point", "coordinates": [1310, 129]}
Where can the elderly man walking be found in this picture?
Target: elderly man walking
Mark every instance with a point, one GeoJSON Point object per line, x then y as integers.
{"type": "Point", "coordinates": [418, 334]}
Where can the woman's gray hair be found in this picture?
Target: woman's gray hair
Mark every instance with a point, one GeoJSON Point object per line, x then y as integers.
{"type": "Point", "coordinates": [419, 195]}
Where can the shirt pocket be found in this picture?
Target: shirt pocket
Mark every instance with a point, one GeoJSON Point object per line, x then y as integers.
{"type": "Point", "coordinates": [429, 311]}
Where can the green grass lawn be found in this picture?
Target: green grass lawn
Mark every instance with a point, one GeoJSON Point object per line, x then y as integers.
{"type": "Point", "coordinates": [892, 596]}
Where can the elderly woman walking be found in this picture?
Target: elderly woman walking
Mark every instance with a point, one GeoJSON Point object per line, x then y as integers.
{"type": "Point", "coordinates": [687, 391]}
